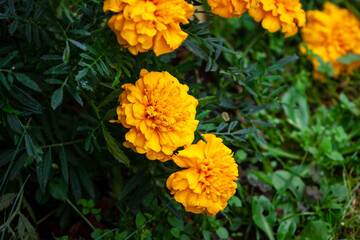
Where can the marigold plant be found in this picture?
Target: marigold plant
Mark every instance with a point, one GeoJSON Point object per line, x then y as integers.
{"type": "Point", "coordinates": [231, 8]}
{"type": "Point", "coordinates": [275, 14]}
{"type": "Point", "coordinates": [332, 33]}
{"type": "Point", "coordinates": [159, 113]}
{"type": "Point", "coordinates": [154, 25]}
{"type": "Point", "coordinates": [207, 183]}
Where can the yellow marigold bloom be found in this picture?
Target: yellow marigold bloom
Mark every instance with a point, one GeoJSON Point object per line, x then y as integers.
{"type": "Point", "coordinates": [159, 113]}
{"type": "Point", "coordinates": [143, 25]}
{"type": "Point", "coordinates": [231, 8]}
{"type": "Point", "coordinates": [276, 14]}
{"type": "Point", "coordinates": [207, 183]}
{"type": "Point", "coordinates": [331, 34]}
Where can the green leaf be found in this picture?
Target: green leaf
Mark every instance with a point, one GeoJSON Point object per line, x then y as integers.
{"type": "Point", "coordinates": [30, 232]}
{"type": "Point", "coordinates": [66, 53]}
{"type": "Point", "coordinates": [86, 181]}
{"type": "Point", "coordinates": [286, 230]}
{"type": "Point", "coordinates": [298, 115]}
{"type": "Point", "coordinates": [78, 44]}
{"type": "Point", "coordinates": [13, 27]}
{"type": "Point", "coordinates": [17, 167]}
{"type": "Point", "coordinates": [260, 205]}
{"type": "Point", "coordinates": [56, 98]}
{"type": "Point", "coordinates": [64, 165]}
{"type": "Point", "coordinates": [283, 179]}
{"type": "Point", "coordinates": [206, 235]}
{"type": "Point", "coordinates": [235, 201]}
{"type": "Point", "coordinates": [222, 233]}
{"type": "Point", "coordinates": [205, 100]}
{"type": "Point", "coordinates": [58, 190]}
{"type": "Point", "coordinates": [282, 62]}
{"type": "Point", "coordinates": [140, 220]}
{"type": "Point", "coordinates": [315, 230]}
{"type": "Point", "coordinates": [6, 200]}
{"type": "Point", "coordinates": [30, 147]}
{"type": "Point", "coordinates": [43, 170]}
{"type": "Point", "coordinates": [335, 155]}
{"type": "Point", "coordinates": [176, 222]}
{"type": "Point", "coordinates": [14, 123]}
{"type": "Point", "coordinates": [4, 81]}
{"type": "Point", "coordinates": [28, 32]}
{"type": "Point", "coordinates": [25, 80]}
{"type": "Point", "coordinates": [113, 147]}
{"type": "Point", "coordinates": [8, 58]}
{"type": "Point", "coordinates": [81, 74]}
{"type": "Point", "coordinates": [349, 58]}
{"type": "Point", "coordinates": [75, 184]}
{"type": "Point", "coordinates": [75, 95]}
{"type": "Point", "coordinates": [175, 232]}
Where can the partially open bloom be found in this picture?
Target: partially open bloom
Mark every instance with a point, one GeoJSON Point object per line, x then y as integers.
{"type": "Point", "coordinates": [207, 183]}
{"type": "Point", "coordinates": [276, 14]}
{"type": "Point", "coordinates": [159, 113]}
{"type": "Point", "coordinates": [231, 8]}
{"type": "Point", "coordinates": [331, 34]}
{"type": "Point", "coordinates": [143, 25]}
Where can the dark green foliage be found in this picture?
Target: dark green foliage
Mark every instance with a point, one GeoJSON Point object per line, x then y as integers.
{"type": "Point", "coordinates": [61, 69]}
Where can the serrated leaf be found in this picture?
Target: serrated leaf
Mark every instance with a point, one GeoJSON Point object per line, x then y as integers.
{"type": "Point", "coordinates": [113, 147]}
{"type": "Point", "coordinates": [57, 97]}
{"type": "Point", "coordinates": [78, 44]}
{"type": "Point", "coordinates": [43, 170]}
{"type": "Point", "coordinates": [14, 123]}
{"type": "Point", "coordinates": [257, 109]}
{"type": "Point", "coordinates": [25, 80]}
{"type": "Point", "coordinates": [30, 147]}
{"type": "Point", "coordinates": [17, 167]}
{"type": "Point", "coordinates": [81, 74]}
{"type": "Point", "coordinates": [30, 232]}
{"type": "Point", "coordinates": [6, 200]}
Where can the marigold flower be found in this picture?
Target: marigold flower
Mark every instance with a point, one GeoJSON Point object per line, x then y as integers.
{"type": "Point", "coordinates": [159, 113]}
{"type": "Point", "coordinates": [143, 25]}
{"type": "Point", "coordinates": [276, 14]}
{"type": "Point", "coordinates": [231, 8]}
{"type": "Point", "coordinates": [207, 183]}
{"type": "Point", "coordinates": [331, 34]}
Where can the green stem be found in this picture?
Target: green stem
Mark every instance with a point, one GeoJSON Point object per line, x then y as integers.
{"type": "Point", "coordinates": [63, 144]}
{"type": "Point", "coordinates": [81, 215]}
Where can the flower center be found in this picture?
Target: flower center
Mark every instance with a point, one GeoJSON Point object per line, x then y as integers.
{"type": "Point", "coordinates": [161, 109]}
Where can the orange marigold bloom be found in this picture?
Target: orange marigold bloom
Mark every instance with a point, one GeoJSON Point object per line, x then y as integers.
{"type": "Point", "coordinates": [143, 25]}
{"type": "Point", "coordinates": [331, 34]}
{"type": "Point", "coordinates": [231, 8]}
{"type": "Point", "coordinates": [159, 113]}
{"type": "Point", "coordinates": [276, 14]}
{"type": "Point", "coordinates": [207, 183]}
